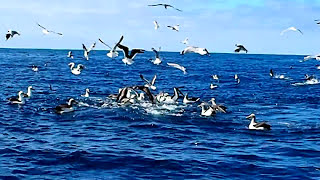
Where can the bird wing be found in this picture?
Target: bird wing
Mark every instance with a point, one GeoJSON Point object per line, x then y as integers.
{"type": "Point", "coordinates": [104, 43]}
{"type": "Point", "coordinates": [92, 46]}
{"type": "Point", "coordinates": [153, 80]}
{"type": "Point", "coordinates": [176, 9]}
{"type": "Point", "coordinates": [155, 51]}
{"type": "Point", "coordinates": [56, 33]}
{"type": "Point", "coordinates": [134, 52]}
{"type": "Point", "coordinates": [175, 66]}
{"type": "Point", "coordinates": [141, 76]}
{"type": "Point", "coordinates": [120, 40]}
{"type": "Point", "coordinates": [41, 26]}
{"type": "Point", "coordinates": [262, 124]}
{"type": "Point", "coordinates": [284, 31]}
{"type": "Point", "coordinates": [124, 49]}
{"type": "Point", "coordinates": [8, 36]}
{"type": "Point", "coordinates": [156, 25]}
{"type": "Point", "coordinates": [156, 5]}
{"type": "Point", "coordinates": [300, 31]}
{"type": "Point", "coordinates": [84, 48]}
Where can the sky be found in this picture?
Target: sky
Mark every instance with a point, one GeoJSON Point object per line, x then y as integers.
{"type": "Point", "coordinates": [214, 24]}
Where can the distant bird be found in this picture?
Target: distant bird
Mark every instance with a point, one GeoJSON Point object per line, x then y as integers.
{"type": "Point", "coordinates": [17, 100]}
{"type": "Point", "coordinates": [185, 41]}
{"type": "Point", "coordinates": [213, 86]}
{"type": "Point", "coordinates": [183, 69]}
{"type": "Point", "coordinates": [215, 77]}
{"type": "Point", "coordinates": [257, 126]}
{"type": "Point", "coordinates": [291, 29]}
{"type": "Point", "coordinates": [318, 21]}
{"type": "Point", "coordinates": [273, 75]}
{"type": "Point", "coordinates": [157, 59]}
{"type": "Point", "coordinates": [150, 84]}
{"type": "Point", "coordinates": [218, 107]}
{"type": "Point", "coordinates": [64, 108]}
{"type": "Point", "coordinates": [156, 25]}
{"type": "Point", "coordinates": [174, 28]}
{"type": "Point", "coordinates": [317, 57]}
{"type": "Point", "coordinates": [87, 51]}
{"type": "Point", "coordinates": [29, 93]}
{"type": "Point", "coordinates": [240, 48]}
{"type": "Point", "coordinates": [193, 49]}
{"type": "Point", "coordinates": [35, 68]}
{"type": "Point", "coordinates": [236, 77]}
{"type": "Point", "coordinates": [113, 51]}
{"type": "Point", "coordinates": [46, 31]}
{"type": "Point", "coordinates": [128, 58]}
{"type": "Point", "coordinates": [70, 55]}
{"type": "Point", "coordinates": [209, 111]}
{"type": "Point", "coordinates": [87, 93]}
{"type": "Point", "coordinates": [11, 33]}
{"type": "Point", "coordinates": [76, 70]}
{"type": "Point", "coordinates": [165, 6]}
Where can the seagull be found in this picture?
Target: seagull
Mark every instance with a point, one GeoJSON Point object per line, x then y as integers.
{"type": "Point", "coordinates": [193, 49]}
{"type": "Point", "coordinates": [62, 108]}
{"type": "Point", "coordinates": [257, 126]}
{"type": "Point", "coordinates": [240, 48]}
{"type": "Point", "coordinates": [11, 33]}
{"type": "Point", "coordinates": [156, 25]}
{"type": "Point", "coordinates": [87, 51]}
{"type": "Point", "coordinates": [70, 55]}
{"type": "Point", "coordinates": [174, 28]}
{"type": "Point", "coordinates": [206, 112]}
{"type": "Point", "coordinates": [75, 70]}
{"type": "Point", "coordinates": [87, 93]}
{"type": "Point", "coordinates": [157, 60]}
{"type": "Point", "coordinates": [183, 69]}
{"type": "Point", "coordinates": [35, 68]}
{"type": "Point", "coordinates": [17, 100]}
{"type": "Point", "coordinates": [291, 29]}
{"type": "Point", "coordinates": [236, 77]}
{"type": "Point", "coordinates": [185, 41]}
{"type": "Point", "coordinates": [218, 107]}
{"type": "Point", "coordinates": [165, 6]}
{"type": "Point", "coordinates": [150, 84]}
{"type": "Point", "coordinates": [113, 51]}
{"type": "Point", "coordinates": [128, 59]}
{"type": "Point", "coordinates": [46, 31]}
{"type": "Point", "coordinates": [28, 94]}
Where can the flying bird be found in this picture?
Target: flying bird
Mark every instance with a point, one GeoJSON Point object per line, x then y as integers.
{"type": "Point", "coordinates": [87, 51]}
{"type": "Point", "coordinates": [165, 6]}
{"type": "Point", "coordinates": [193, 49]}
{"type": "Point", "coordinates": [185, 41]}
{"type": "Point", "coordinates": [174, 28]}
{"type": "Point", "coordinates": [291, 29]}
{"type": "Point", "coordinates": [150, 84]}
{"type": "Point", "coordinates": [183, 69]}
{"type": "Point", "coordinates": [113, 51]}
{"type": "Point", "coordinates": [156, 25]}
{"type": "Point", "coordinates": [239, 48]}
{"type": "Point", "coordinates": [46, 31]}
{"type": "Point", "coordinates": [128, 58]}
{"type": "Point", "coordinates": [11, 33]}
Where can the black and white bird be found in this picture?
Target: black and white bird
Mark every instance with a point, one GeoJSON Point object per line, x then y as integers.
{"type": "Point", "coordinates": [87, 51]}
{"type": "Point", "coordinates": [185, 41]}
{"type": "Point", "coordinates": [29, 92]}
{"type": "Point", "coordinates": [183, 69]}
{"type": "Point", "coordinates": [156, 25]}
{"type": "Point", "coordinates": [174, 28]}
{"type": "Point", "coordinates": [11, 33]}
{"type": "Point", "coordinates": [46, 31]}
{"type": "Point", "coordinates": [35, 68]}
{"type": "Point", "coordinates": [70, 55]}
{"type": "Point", "coordinates": [128, 58]}
{"type": "Point", "coordinates": [87, 93]}
{"type": "Point", "coordinates": [17, 100]}
{"type": "Point", "coordinates": [64, 108]}
{"type": "Point", "coordinates": [165, 98]}
{"type": "Point", "coordinates": [318, 21]}
{"type": "Point", "coordinates": [113, 51]}
{"type": "Point", "coordinates": [76, 70]}
{"type": "Point", "coordinates": [189, 100]}
{"type": "Point", "coordinates": [165, 6]}
{"type": "Point", "coordinates": [236, 78]}
{"type": "Point", "coordinates": [218, 107]}
{"type": "Point", "coordinates": [257, 126]}
{"type": "Point", "coordinates": [193, 49]}
{"type": "Point", "coordinates": [291, 29]}
{"type": "Point", "coordinates": [150, 84]}
{"type": "Point", "coordinates": [240, 48]}
{"type": "Point", "coordinates": [157, 59]}
{"type": "Point", "coordinates": [206, 110]}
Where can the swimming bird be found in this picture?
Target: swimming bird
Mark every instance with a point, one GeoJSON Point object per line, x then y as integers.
{"type": "Point", "coordinates": [46, 31]}
{"type": "Point", "coordinates": [64, 108]}
{"type": "Point", "coordinates": [17, 100]}
{"type": "Point", "coordinates": [113, 51]}
{"type": "Point", "coordinates": [29, 93]}
{"type": "Point", "coordinates": [306, 58]}
{"type": "Point", "coordinates": [87, 51]}
{"type": "Point", "coordinates": [35, 68]}
{"type": "Point", "coordinates": [187, 100]}
{"type": "Point", "coordinates": [215, 77]}
{"type": "Point", "coordinates": [165, 6]}
{"type": "Point", "coordinates": [128, 58]}
{"type": "Point", "coordinates": [70, 55]}
{"type": "Point", "coordinates": [183, 69]}
{"type": "Point", "coordinates": [257, 126]}
{"type": "Point", "coordinates": [148, 93]}
{"type": "Point", "coordinates": [236, 77]}
{"type": "Point", "coordinates": [291, 29]}
{"type": "Point", "coordinates": [76, 70]}
{"type": "Point", "coordinates": [240, 48]}
{"type": "Point", "coordinates": [150, 84]}
{"type": "Point", "coordinates": [193, 49]}
{"type": "Point", "coordinates": [185, 41]}
{"type": "Point", "coordinates": [272, 74]}
{"type": "Point", "coordinates": [157, 59]}
{"type": "Point", "coordinates": [218, 107]}
{"type": "Point", "coordinates": [209, 111]}
{"type": "Point", "coordinates": [87, 93]}
{"type": "Point", "coordinates": [213, 86]}
{"type": "Point", "coordinates": [166, 98]}
{"type": "Point", "coordinates": [156, 25]}
{"type": "Point", "coordinates": [11, 33]}
{"type": "Point", "coordinates": [174, 28]}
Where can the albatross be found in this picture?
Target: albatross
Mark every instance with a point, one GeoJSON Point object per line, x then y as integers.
{"type": "Point", "coordinates": [11, 33]}
{"type": "Point", "coordinates": [87, 93]}
{"type": "Point", "coordinates": [17, 100]}
{"type": "Point", "coordinates": [193, 49]}
{"type": "Point", "coordinates": [157, 59]}
{"type": "Point", "coordinates": [87, 51]}
{"type": "Point", "coordinates": [291, 29]}
{"type": "Point", "coordinates": [257, 126]}
{"type": "Point", "coordinates": [156, 25]}
{"type": "Point", "coordinates": [150, 84]}
{"type": "Point", "coordinates": [240, 48]}
{"type": "Point", "coordinates": [128, 58]}
{"type": "Point", "coordinates": [183, 69]}
{"type": "Point", "coordinates": [76, 70]}
{"type": "Point", "coordinates": [63, 108]}
{"type": "Point", "coordinates": [209, 111]}
{"type": "Point", "coordinates": [29, 93]}
{"type": "Point", "coordinates": [165, 6]}
{"type": "Point", "coordinates": [46, 31]}
{"type": "Point", "coordinates": [174, 28]}
{"type": "Point", "coordinates": [70, 55]}
{"type": "Point", "coordinates": [113, 51]}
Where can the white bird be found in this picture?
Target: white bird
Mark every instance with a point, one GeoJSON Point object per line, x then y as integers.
{"type": "Point", "coordinates": [11, 33]}
{"type": "Point", "coordinates": [29, 93]}
{"type": "Point", "coordinates": [213, 86]}
{"type": "Point", "coordinates": [113, 51]}
{"type": "Point", "coordinates": [157, 59]}
{"type": "Point", "coordinates": [150, 84]}
{"type": "Point", "coordinates": [187, 100]}
{"type": "Point", "coordinates": [239, 48]}
{"type": "Point", "coordinates": [185, 41]}
{"type": "Point", "coordinates": [206, 112]}
{"type": "Point", "coordinates": [236, 77]}
{"type": "Point", "coordinates": [17, 100]}
{"type": "Point", "coordinates": [183, 69]}
{"type": "Point", "coordinates": [174, 28]}
{"type": "Point", "coordinates": [291, 29]}
{"type": "Point", "coordinates": [218, 107]}
{"type": "Point", "coordinates": [87, 93]}
{"type": "Point", "coordinates": [128, 58]}
{"type": "Point", "coordinates": [62, 108]}
{"type": "Point", "coordinates": [76, 70]}
{"type": "Point", "coordinates": [193, 49]}
{"type": "Point", "coordinates": [46, 31]}
{"type": "Point", "coordinates": [156, 25]}
{"type": "Point", "coordinates": [35, 68]}
{"type": "Point", "coordinates": [317, 57]}
{"type": "Point", "coordinates": [70, 55]}
{"type": "Point", "coordinates": [87, 51]}
{"type": "Point", "coordinates": [166, 98]}
{"type": "Point", "coordinates": [257, 126]}
{"type": "Point", "coordinates": [215, 77]}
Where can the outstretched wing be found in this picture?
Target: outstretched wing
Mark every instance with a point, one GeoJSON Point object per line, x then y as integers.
{"type": "Point", "coordinates": [125, 49]}
{"type": "Point", "coordinates": [104, 43]}
{"type": "Point", "coordinates": [153, 80]}
{"type": "Point", "coordinates": [115, 47]}
{"type": "Point", "coordinates": [41, 26]}
{"type": "Point", "coordinates": [84, 48]}
{"type": "Point", "coordinates": [155, 51]}
{"type": "Point", "coordinates": [92, 46]}
{"type": "Point", "coordinates": [141, 76]}
{"type": "Point", "coordinates": [134, 52]}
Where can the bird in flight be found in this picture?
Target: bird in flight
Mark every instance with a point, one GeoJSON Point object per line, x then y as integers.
{"type": "Point", "coordinates": [11, 33]}
{"type": "Point", "coordinates": [291, 29]}
{"type": "Point", "coordinates": [165, 6]}
{"type": "Point", "coordinates": [46, 31]}
{"type": "Point", "coordinates": [174, 28]}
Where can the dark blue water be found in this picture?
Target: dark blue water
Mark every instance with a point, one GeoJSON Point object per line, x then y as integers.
{"type": "Point", "coordinates": [103, 141]}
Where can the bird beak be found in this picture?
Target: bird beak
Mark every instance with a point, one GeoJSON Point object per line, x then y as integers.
{"type": "Point", "coordinates": [248, 117]}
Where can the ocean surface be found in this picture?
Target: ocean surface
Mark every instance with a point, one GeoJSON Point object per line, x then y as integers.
{"type": "Point", "coordinates": [102, 140]}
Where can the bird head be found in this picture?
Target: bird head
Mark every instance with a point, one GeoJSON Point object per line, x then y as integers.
{"type": "Point", "coordinates": [251, 116]}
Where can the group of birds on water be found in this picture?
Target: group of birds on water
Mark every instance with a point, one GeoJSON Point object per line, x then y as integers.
{"type": "Point", "coordinates": [143, 93]}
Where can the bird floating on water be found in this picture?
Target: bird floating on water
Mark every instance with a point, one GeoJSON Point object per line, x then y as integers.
{"type": "Point", "coordinates": [209, 111]}
{"type": "Point", "coordinates": [17, 100]}
{"type": "Point", "coordinates": [193, 49]}
{"type": "Point", "coordinates": [29, 93]}
{"type": "Point", "coordinates": [240, 48]}
{"type": "Point", "coordinates": [218, 107]}
{"type": "Point", "coordinates": [165, 6]}
{"type": "Point", "coordinates": [64, 108]}
{"type": "Point", "coordinates": [183, 69]}
{"type": "Point", "coordinates": [150, 84]}
{"type": "Point", "coordinates": [76, 70]}
{"type": "Point", "coordinates": [46, 31]}
{"type": "Point", "coordinates": [87, 93]}
{"type": "Point", "coordinates": [257, 126]}
{"type": "Point", "coordinates": [128, 58]}
{"type": "Point", "coordinates": [35, 68]}
{"type": "Point", "coordinates": [11, 33]}
{"type": "Point", "coordinates": [87, 51]}
{"type": "Point", "coordinates": [157, 59]}
{"type": "Point", "coordinates": [70, 55]}
{"type": "Point", "coordinates": [236, 77]}
{"type": "Point", "coordinates": [291, 29]}
{"type": "Point", "coordinates": [213, 86]}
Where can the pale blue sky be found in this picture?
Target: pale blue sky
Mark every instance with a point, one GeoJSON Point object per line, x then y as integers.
{"type": "Point", "coordinates": [214, 24]}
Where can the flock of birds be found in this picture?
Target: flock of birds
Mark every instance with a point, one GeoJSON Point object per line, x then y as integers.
{"type": "Point", "coordinates": [143, 93]}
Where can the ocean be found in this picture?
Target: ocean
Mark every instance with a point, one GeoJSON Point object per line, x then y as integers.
{"type": "Point", "coordinates": [102, 140]}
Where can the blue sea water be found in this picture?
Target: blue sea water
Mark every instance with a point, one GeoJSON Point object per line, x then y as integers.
{"type": "Point", "coordinates": [103, 141]}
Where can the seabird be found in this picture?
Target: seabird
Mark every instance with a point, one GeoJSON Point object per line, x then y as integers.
{"type": "Point", "coordinates": [236, 77]}
{"type": "Point", "coordinates": [213, 86]}
{"type": "Point", "coordinates": [63, 108]}
{"type": "Point", "coordinates": [35, 68]}
{"type": "Point", "coordinates": [218, 107]}
{"type": "Point", "coordinates": [272, 74]}
{"type": "Point", "coordinates": [240, 48]}
{"type": "Point", "coordinates": [46, 31]}
{"type": "Point", "coordinates": [257, 126]}
{"type": "Point", "coordinates": [183, 69]}
{"type": "Point", "coordinates": [185, 41]}
{"type": "Point", "coordinates": [75, 70]}
{"type": "Point", "coordinates": [167, 99]}
{"type": "Point", "coordinates": [187, 100]}
{"type": "Point", "coordinates": [70, 55]}
{"type": "Point", "coordinates": [157, 59]}
{"type": "Point", "coordinates": [148, 93]}
{"type": "Point", "coordinates": [87, 93]}
{"type": "Point", "coordinates": [87, 51]}
{"type": "Point", "coordinates": [291, 29]}
{"type": "Point", "coordinates": [11, 33]}
{"type": "Point", "coordinates": [174, 28]}
{"type": "Point", "coordinates": [193, 49]}
{"type": "Point", "coordinates": [156, 25]}
{"type": "Point", "coordinates": [215, 77]}
{"type": "Point", "coordinates": [17, 100]}
{"type": "Point", "coordinates": [206, 112]}
{"type": "Point", "coordinates": [128, 59]}
{"type": "Point", "coordinates": [165, 6]}
{"type": "Point", "coordinates": [29, 93]}
{"type": "Point", "coordinates": [317, 57]}
{"type": "Point", "coordinates": [113, 51]}
{"type": "Point", "coordinates": [150, 84]}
